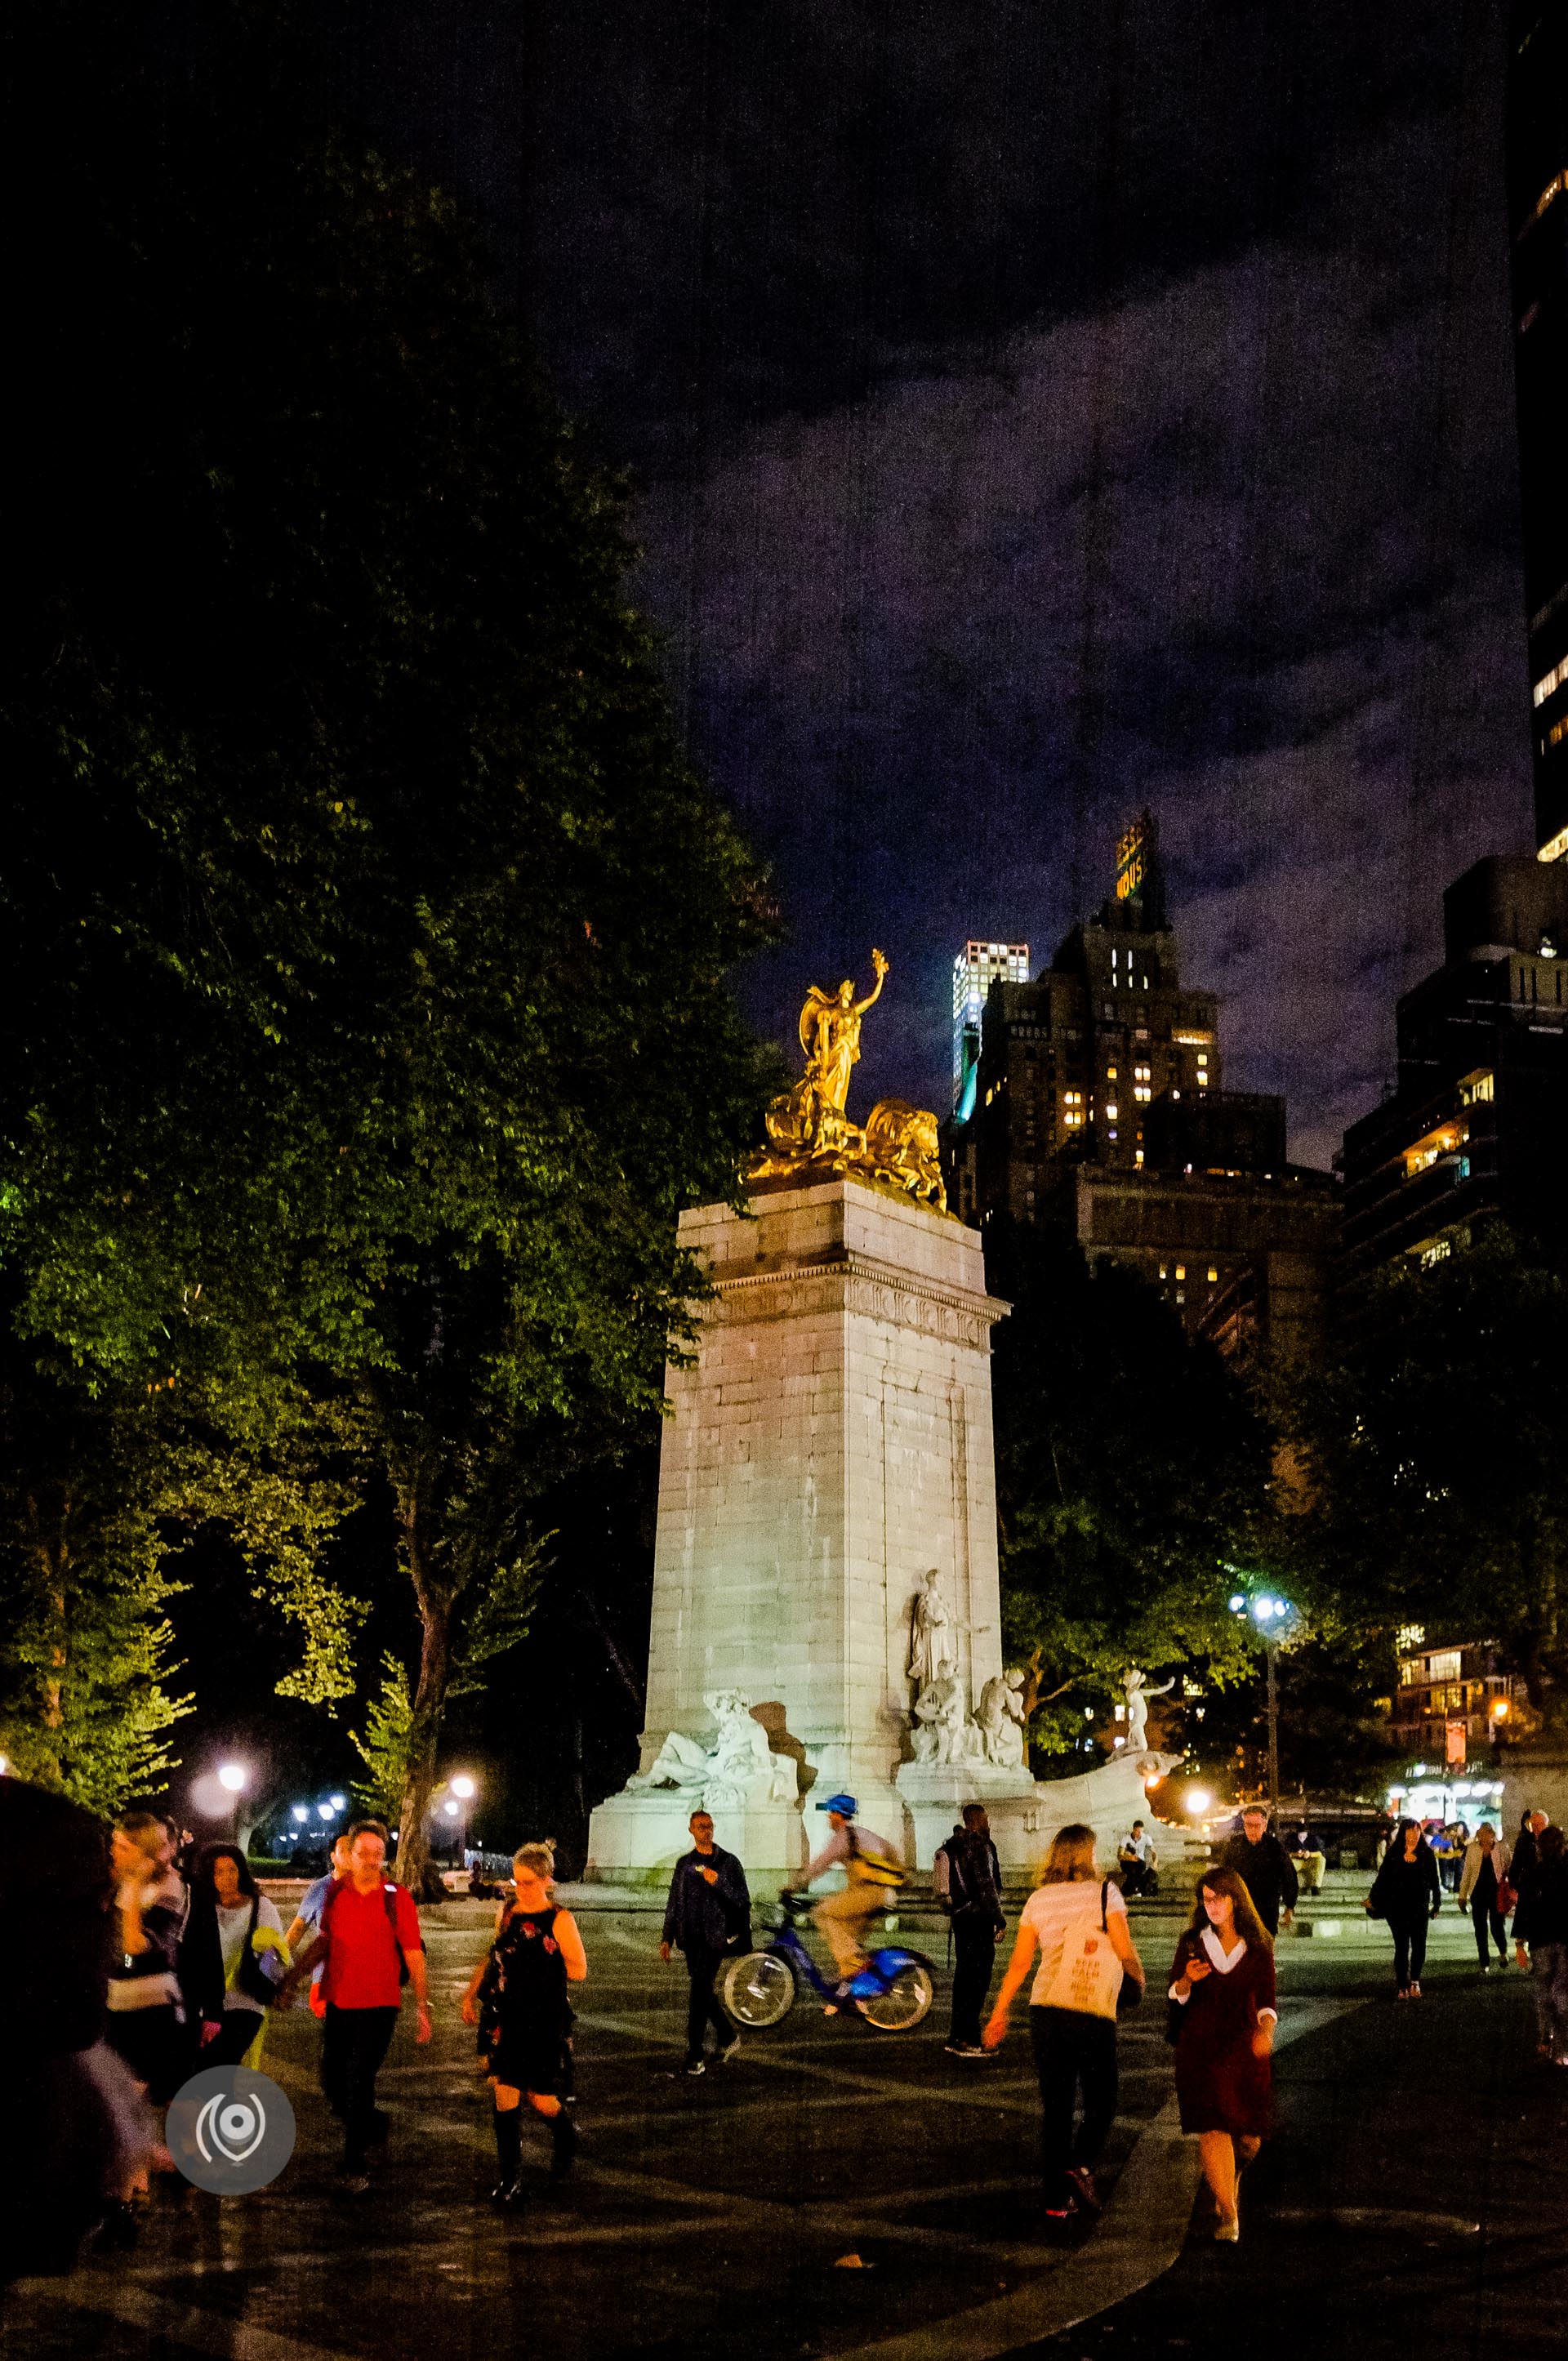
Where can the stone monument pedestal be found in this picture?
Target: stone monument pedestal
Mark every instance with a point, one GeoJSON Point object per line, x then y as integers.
{"type": "Point", "coordinates": [1024, 1812]}
{"type": "Point", "coordinates": [637, 1837]}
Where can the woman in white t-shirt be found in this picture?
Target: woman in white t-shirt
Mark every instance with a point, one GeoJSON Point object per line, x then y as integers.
{"type": "Point", "coordinates": [1078, 1924]}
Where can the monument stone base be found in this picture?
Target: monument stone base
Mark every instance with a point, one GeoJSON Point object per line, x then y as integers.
{"type": "Point", "coordinates": [1024, 1812]}
{"type": "Point", "coordinates": [638, 1836]}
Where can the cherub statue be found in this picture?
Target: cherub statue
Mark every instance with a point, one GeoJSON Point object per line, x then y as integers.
{"type": "Point", "coordinates": [1138, 1695]}
{"type": "Point", "coordinates": [1002, 1719]}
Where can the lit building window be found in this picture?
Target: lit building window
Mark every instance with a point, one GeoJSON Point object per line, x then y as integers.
{"type": "Point", "coordinates": [1549, 681]}
{"type": "Point", "coordinates": [1072, 1119]}
{"type": "Point", "coordinates": [1476, 1089]}
{"type": "Point", "coordinates": [1141, 1073]}
{"type": "Point", "coordinates": [1213, 1274]}
{"type": "Point", "coordinates": [1110, 1073]}
{"type": "Point", "coordinates": [1111, 1110]}
{"type": "Point", "coordinates": [1555, 735]}
{"type": "Point", "coordinates": [1182, 1270]}
{"type": "Point", "coordinates": [1556, 848]}
{"type": "Point", "coordinates": [1553, 188]}
{"type": "Point", "coordinates": [1164, 1274]}
{"type": "Point", "coordinates": [1072, 1098]}
{"type": "Point", "coordinates": [1137, 1156]}
{"type": "Point", "coordinates": [1142, 1092]}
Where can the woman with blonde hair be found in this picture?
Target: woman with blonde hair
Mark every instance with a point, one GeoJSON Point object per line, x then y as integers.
{"type": "Point", "coordinates": [517, 1996]}
{"type": "Point", "coordinates": [1222, 1988]}
{"type": "Point", "coordinates": [1076, 1921]}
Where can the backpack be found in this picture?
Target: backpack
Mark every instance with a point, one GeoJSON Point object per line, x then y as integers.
{"type": "Point", "coordinates": [873, 1868]}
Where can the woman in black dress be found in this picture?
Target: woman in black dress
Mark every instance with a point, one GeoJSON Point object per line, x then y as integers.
{"type": "Point", "coordinates": [1222, 1994]}
{"type": "Point", "coordinates": [1408, 1892]}
{"type": "Point", "coordinates": [517, 1997]}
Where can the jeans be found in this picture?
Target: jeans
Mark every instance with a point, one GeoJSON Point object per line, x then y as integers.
{"type": "Point", "coordinates": [1480, 1912]}
{"type": "Point", "coordinates": [702, 2008]}
{"type": "Point", "coordinates": [1073, 2052]}
{"type": "Point", "coordinates": [1409, 1948]}
{"type": "Point", "coordinates": [354, 2043]}
{"type": "Point", "coordinates": [974, 1964]}
{"type": "Point", "coordinates": [1550, 1963]}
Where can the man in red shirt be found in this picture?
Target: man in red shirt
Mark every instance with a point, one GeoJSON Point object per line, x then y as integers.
{"type": "Point", "coordinates": [369, 1935]}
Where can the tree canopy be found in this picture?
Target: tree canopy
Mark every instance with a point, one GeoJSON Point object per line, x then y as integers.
{"type": "Point", "coordinates": [1132, 1465]}
{"type": "Point", "coordinates": [365, 933]}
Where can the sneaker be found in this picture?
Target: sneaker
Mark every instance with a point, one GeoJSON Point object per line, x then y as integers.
{"type": "Point", "coordinates": [695, 2065]}
{"type": "Point", "coordinates": [1083, 2186]}
{"type": "Point", "coordinates": [352, 2184]}
{"type": "Point", "coordinates": [507, 2192]}
{"type": "Point", "coordinates": [1415, 1993]}
{"type": "Point", "coordinates": [1227, 2230]}
{"type": "Point", "coordinates": [729, 2049]}
{"type": "Point", "coordinates": [976, 2049]}
{"type": "Point", "coordinates": [954, 2049]}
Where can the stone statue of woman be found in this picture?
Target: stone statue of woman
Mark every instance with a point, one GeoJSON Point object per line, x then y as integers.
{"type": "Point", "coordinates": [931, 1624]}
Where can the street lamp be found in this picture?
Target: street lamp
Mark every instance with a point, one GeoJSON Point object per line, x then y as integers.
{"type": "Point", "coordinates": [1270, 1616]}
{"type": "Point", "coordinates": [465, 1788]}
{"type": "Point", "coordinates": [232, 1777]}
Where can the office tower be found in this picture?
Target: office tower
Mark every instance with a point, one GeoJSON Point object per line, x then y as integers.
{"type": "Point", "coordinates": [1478, 1122]}
{"type": "Point", "coordinates": [976, 969]}
{"type": "Point", "coordinates": [1538, 209]}
{"type": "Point", "coordinates": [1097, 1104]}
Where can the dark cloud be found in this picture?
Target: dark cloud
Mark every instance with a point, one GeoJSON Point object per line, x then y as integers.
{"type": "Point", "coordinates": [1038, 411]}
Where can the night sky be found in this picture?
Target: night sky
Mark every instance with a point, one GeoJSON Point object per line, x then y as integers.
{"type": "Point", "coordinates": [1039, 408]}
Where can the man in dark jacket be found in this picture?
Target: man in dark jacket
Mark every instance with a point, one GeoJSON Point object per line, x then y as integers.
{"type": "Point", "coordinates": [967, 1880]}
{"type": "Point", "coordinates": [708, 1915]}
{"type": "Point", "coordinates": [1265, 1867]}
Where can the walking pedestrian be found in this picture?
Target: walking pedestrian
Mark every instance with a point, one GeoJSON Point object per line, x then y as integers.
{"type": "Point", "coordinates": [369, 1942]}
{"type": "Point", "coordinates": [1480, 1882]}
{"type": "Point", "coordinates": [1521, 1862]}
{"type": "Point", "coordinates": [967, 1876]}
{"type": "Point", "coordinates": [1221, 1983]}
{"type": "Point", "coordinates": [1265, 1867]}
{"type": "Point", "coordinates": [1407, 1893]}
{"type": "Point", "coordinates": [147, 2019]}
{"type": "Point", "coordinates": [517, 1996]}
{"type": "Point", "coordinates": [872, 1872]}
{"type": "Point", "coordinates": [232, 1959]}
{"type": "Point", "coordinates": [706, 1917]}
{"type": "Point", "coordinates": [1076, 1921]}
{"type": "Point", "coordinates": [1541, 1935]}
{"type": "Point", "coordinates": [306, 1921]}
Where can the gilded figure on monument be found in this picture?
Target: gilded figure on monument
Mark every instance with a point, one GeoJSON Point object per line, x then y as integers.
{"type": "Point", "coordinates": [810, 1135]}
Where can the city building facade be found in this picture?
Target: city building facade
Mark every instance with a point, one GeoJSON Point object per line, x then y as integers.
{"type": "Point", "coordinates": [1477, 1124]}
{"type": "Point", "coordinates": [1537, 206]}
{"type": "Point", "coordinates": [1097, 1104]}
{"type": "Point", "coordinates": [1451, 1704]}
{"type": "Point", "coordinates": [977, 967]}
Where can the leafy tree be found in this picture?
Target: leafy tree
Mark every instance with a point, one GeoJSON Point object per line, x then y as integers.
{"type": "Point", "coordinates": [1131, 1466]}
{"type": "Point", "coordinates": [385, 1745]}
{"type": "Point", "coordinates": [365, 933]}
{"type": "Point", "coordinates": [1434, 1441]}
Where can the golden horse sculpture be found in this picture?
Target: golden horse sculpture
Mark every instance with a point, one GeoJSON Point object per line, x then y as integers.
{"type": "Point", "coordinates": [810, 1135]}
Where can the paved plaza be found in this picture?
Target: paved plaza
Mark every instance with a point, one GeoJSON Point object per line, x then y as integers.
{"type": "Point", "coordinates": [1413, 2201]}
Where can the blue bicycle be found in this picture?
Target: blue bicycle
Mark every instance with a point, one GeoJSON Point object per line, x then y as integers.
{"type": "Point", "coordinates": [892, 1991]}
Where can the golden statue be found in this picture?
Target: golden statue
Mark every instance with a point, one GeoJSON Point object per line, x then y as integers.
{"type": "Point", "coordinates": [810, 1136]}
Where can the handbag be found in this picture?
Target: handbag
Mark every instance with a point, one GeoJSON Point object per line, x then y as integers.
{"type": "Point", "coordinates": [1507, 1900]}
{"type": "Point", "coordinates": [1088, 1974]}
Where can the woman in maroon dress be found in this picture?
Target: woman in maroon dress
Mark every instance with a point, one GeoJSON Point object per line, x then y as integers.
{"type": "Point", "coordinates": [1221, 1991]}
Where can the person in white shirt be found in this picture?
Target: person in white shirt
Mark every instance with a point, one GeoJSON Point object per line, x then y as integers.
{"type": "Point", "coordinates": [1137, 1860]}
{"type": "Point", "coordinates": [1077, 1922]}
{"type": "Point", "coordinates": [874, 1871]}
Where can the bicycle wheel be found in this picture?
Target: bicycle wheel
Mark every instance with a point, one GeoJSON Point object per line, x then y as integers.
{"type": "Point", "coordinates": [757, 1989]}
{"type": "Point", "coordinates": [904, 2003]}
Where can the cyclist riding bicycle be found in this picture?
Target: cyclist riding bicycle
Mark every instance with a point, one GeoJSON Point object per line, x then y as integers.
{"type": "Point", "coordinates": [875, 1873]}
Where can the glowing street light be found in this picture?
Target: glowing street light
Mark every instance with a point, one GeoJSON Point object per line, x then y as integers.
{"type": "Point", "coordinates": [451, 1810]}
{"type": "Point", "coordinates": [302, 1813]}
{"type": "Point", "coordinates": [1199, 1801]}
{"type": "Point", "coordinates": [462, 1784]}
{"type": "Point", "coordinates": [233, 1777]}
{"type": "Point", "coordinates": [338, 1803]}
{"type": "Point", "coordinates": [464, 1787]}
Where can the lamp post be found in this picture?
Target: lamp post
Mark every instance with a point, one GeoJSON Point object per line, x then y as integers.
{"type": "Point", "coordinates": [232, 1778]}
{"type": "Point", "coordinates": [1270, 1616]}
{"type": "Point", "coordinates": [465, 1788]}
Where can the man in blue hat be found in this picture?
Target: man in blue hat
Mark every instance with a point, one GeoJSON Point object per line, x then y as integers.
{"type": "Point", "coordinates": [875, 1873]}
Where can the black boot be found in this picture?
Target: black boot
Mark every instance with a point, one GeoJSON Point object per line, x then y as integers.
{"type": "Point", "coordinates": [508, 2156]}
{"type": "Point", "coordinates": [563, 2141]}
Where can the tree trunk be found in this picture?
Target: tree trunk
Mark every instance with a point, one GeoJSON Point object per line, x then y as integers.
{"type": "Point", "coordinates": [414, 1868]}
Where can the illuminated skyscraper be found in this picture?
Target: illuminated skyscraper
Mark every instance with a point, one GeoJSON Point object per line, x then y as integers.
{"type": "Point", "coordinates": [976, 969]}
{"type": "Point", "coordinates": [1537, 211]}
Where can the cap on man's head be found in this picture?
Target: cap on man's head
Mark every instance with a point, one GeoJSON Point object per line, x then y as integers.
{"type": "Point", "coordinates": [844, 1806]}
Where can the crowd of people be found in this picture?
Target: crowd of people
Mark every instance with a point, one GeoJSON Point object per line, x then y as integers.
{"type": "Point", "coordinates": [198, 1958]}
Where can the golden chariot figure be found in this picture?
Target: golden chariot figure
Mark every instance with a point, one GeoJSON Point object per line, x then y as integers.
{"type": "Point", "coordinates": [810, 1136]}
